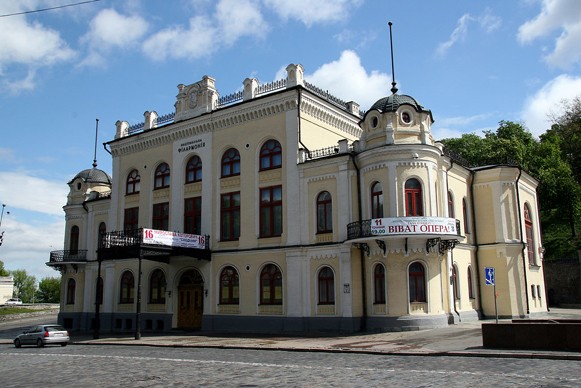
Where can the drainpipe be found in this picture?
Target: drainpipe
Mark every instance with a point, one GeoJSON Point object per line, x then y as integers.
{"type": "Point", "coordinates": [361, 252]}
{"type": "Point", "coordinates": [475, 241]}
{"type": "Point", "coordinates": [450, 258]}
{"type": "Point", "coordinates": [524, 245]}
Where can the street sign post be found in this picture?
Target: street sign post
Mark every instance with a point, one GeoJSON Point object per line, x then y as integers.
{"type": "Point", "coordinates": [489, 280]}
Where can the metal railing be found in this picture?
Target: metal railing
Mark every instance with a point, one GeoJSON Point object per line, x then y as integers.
{"type": "Point", "coordinates": [68, 256]}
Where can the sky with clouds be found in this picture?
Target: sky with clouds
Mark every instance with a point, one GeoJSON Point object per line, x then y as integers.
{"type": "Point", "coordinates": [472, 63]}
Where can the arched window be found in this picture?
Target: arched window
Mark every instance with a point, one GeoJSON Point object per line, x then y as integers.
{"type": "Point", "coordinates": [133, 183]}
{"type": "Point", "coordinates": [194, 169]}
{"type": "Point", "coordinates": [270, 155]}
{"type": "Point", "coordinates": [157, 286]}
{"type": "Point", "coordinates": [127, 288]}
{"type": "Point", "coordinates": [101, 233]}
{"type": "Point", "coordinates": [161, 176]}
{"type": "Point", "coordinates": [74, 242]}
{"type": "Point", "coordinates": [455, 283]}
{"type": "Point", "coordinates": [229, 286]}
{"type": "Point", "coordinates": [376, 200]}
{"type": "Point", "coordinates": [417, 281]}
{"type": "Point", "coordinates": [270, 285]}
{"type": "Point", "coordinates": [379, 284]}
{"type": "Point", "coordinates": [71, 288]}
{"type": "Point", "coordinates": [230, 163]}
{"type": "Point", "coordinates": [465, 215]}
{"type": "Point", "coordinates": [529, 235]}
{"type": "Point", "coordinates": [470, 284]}
{"type": "Point", "coordinates": [450, 205]}
{"type": "Point", "coordinates": [413, 198]}
{"type": "Point", "coordinates": [324, 213]}
{"type": "Point", "coordinates": [326, 286]}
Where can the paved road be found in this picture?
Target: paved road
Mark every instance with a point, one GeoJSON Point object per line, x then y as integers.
{"type": "Point", "coordinates": [114, 365]}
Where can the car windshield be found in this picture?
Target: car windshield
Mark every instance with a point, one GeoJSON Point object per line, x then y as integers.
{"type": "Point", "coordinates": [54, 328]}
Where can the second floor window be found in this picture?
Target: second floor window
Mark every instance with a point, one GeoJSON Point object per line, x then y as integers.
{"type": "Point", "coordinates": [131, 219]}
{"type": "Point", "coordinates": [161, 176]}
{"type": "Point", "coordinates": [230, 163]}
{"type": "Point", "coordinates": [529, 235]}
{"type": "Point", "coordinates": [230, 216]}
{"type": "Point", "coordinates": [193, 215]}
{"type": "Point", "coordinates": [194, 170]}
{"type": "Point", "coordinates": [74, 243]}
{"type": "Point", "coordinates": [271, 211]}
{"type": "Point", "coordinates": [376, 200]}
{"type": "Point", "coordinates": [324, 213]}
{"type": "Point", "coordinates": [413, 198]}
{"type": "Point", "coordinates": [160, 218]}
{"type": "Point", "coordinates": [270, 155]}
{"type": "Point", "coordinates": [450, 205]}
{"type": "Point", "coordinates": [133, 183]}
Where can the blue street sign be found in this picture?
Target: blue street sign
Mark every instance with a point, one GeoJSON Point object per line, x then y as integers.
{"type": "Point", "coordinates": [489, 276]}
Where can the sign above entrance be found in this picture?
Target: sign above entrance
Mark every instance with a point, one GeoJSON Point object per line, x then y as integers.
{"type": "Point", "coordinates": [414, 226]}
{"type": "Point", "coordinates": [173, 239]}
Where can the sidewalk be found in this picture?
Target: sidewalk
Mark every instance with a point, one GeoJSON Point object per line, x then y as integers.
{"type": "Point", "coordinates": [464, 339]}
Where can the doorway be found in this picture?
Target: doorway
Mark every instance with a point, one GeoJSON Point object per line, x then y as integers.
{"type": "Point", "coordinates": [190, 300]}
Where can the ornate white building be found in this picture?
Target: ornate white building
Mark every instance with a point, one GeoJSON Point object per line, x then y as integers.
{"type": "Point", "coordinates": [283, 209]}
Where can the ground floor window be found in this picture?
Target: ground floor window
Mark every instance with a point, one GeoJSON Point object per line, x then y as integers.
{"type": "Point", "coordinates": [417, 282]}
{"type": "Point", "coordinates": [270, 285]}
{"type": "Point", "coordinates": [379, 284]}
{"type": "Point", "coordinates": [326, 286]}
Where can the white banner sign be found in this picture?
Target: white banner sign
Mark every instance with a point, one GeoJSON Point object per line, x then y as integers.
{"type": "Point", "coordinates": [173, 239]}
{"type": "Point", "coordinates": [413, 225]}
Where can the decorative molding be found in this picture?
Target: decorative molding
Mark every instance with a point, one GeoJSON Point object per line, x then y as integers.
{"type": "Point", "coordinates": [270, 175]}
{"type": "Point", "coordinates": [329, 116]}
{"type": "Point", "coordinates": [226, 183]}
{"type": "Point", "coordinates": [161, 193]}
{"type": "Point", "coordinates": [193, 187]}
{"type": "Point", "coordinates": [322, 178]}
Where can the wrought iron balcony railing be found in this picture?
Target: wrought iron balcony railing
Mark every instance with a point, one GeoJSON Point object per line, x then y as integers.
{"type": "Point", "coordinates": [142, 236]}
{"type": "Point", "coordinates": [68, 256]}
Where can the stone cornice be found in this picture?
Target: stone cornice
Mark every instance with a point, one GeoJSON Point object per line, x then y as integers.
{"type": "Point", "coordinates": [333, 117]}
{"type": "Point", "coordinates": [216, 120]}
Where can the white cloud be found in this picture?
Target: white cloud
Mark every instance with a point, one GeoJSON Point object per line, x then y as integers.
{"type": "Point", "coordinates": [28, 44]}
{"type": "Point", "coordinates": [20, 190]}
{"type": "Point", "coordinates": [547, 101]}
{"type": "Point", "coordinates": [311, 12]}
{"type": "Point", "coordinates": [463, 120]}
{"type": "Point", "coordinates": [346, 78]}
{"type": "Point", "coordinates": [238, 18]}
{"type": "Point", "coordinates": [487, 21]}
{"type": "Point", "coordinates": [110, 29]}
{"type": "Point", "coordinates": [199, 40]}
{"type": "Point", "coordinates": [561, 15]}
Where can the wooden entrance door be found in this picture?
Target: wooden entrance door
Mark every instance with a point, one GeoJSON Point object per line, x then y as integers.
{"type": "Point", "coordinates": [190, 300]}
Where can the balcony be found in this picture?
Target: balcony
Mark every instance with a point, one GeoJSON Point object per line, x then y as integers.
{"type": "Point", "coordinates": [439, 232]}
{"type": "Point", "coordinates": [67, 257]}
{"type": "Point", "coordinates": [152, 244]}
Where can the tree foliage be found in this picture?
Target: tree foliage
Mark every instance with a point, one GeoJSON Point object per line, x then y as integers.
{"type": "Point", "coordinates": [3, 271]}
{"type": "Point", "coordinates": [24, 285]}
{"type": "Point", "coordinates": [554, 160]}
{"type": "Point", "coordinates": [49, 290]}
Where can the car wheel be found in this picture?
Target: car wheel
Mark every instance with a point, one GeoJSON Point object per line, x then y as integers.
{"type": "Point", "coordinates": [39, 343]}
{"type": "Point", "coordinates": [17, 343]}
{"type": "Point", "coordinates": [64, 344]}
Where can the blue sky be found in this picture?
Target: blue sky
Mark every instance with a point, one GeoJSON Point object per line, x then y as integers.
{"type": "Point", "coordinates": [473, 63]}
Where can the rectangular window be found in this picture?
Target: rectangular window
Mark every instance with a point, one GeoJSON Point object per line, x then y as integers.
{"type": "Point", "coordinates": [230, 216]}
{"type": "Point", "coordinates": [160, 218]}
{"type": "Point", "coordinates": [193, 215]}
{"type": "Point", "coordinates": [271, 211]}
{"type": "Point", "coordinates": [131, 219]}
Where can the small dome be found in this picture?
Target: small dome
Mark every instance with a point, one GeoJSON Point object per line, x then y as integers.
{"type": "Point", "coordinates": [93, 175]}
{"type": "Point", "coordinates": [393, 102]}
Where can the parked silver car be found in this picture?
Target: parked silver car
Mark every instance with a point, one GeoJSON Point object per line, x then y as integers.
{"type": "Point", "coordinates": [13, 301]}
{"type": "Point", "coordinates": [43, 335]}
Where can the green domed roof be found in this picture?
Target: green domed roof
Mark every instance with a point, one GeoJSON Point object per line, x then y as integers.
{"type": "Point", "coordinates": [393, 102]}
{"type": "Point", "coordinates": [93, 175]}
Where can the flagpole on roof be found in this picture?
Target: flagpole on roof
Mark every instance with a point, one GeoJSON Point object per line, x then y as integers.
{"type": "Point", "coordinates": [393, 83]}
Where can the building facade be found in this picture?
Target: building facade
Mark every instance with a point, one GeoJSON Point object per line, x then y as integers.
{"type": "Point", "coordinates": [283, 209]}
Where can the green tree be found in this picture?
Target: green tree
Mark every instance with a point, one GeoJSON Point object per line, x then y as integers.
{"type": "Point", "coordinates": [3, 271]}
{"type": "Point", "coordinates": [49, 290]}
{"type": "Point", "coordinates": [24, 285]}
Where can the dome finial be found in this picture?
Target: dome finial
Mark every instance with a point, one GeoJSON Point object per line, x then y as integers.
{"type": "Point", "coordinates": [95, 153]}
{"type": "Point", "coordinates": [393, 83]}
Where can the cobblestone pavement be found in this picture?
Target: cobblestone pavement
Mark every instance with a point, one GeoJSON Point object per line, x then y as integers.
{"type": "Point", "coordinates": [134, 366]}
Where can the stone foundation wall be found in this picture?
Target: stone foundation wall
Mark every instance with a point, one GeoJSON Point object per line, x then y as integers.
{"type": "Point", "coordinates": [563, 279]}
